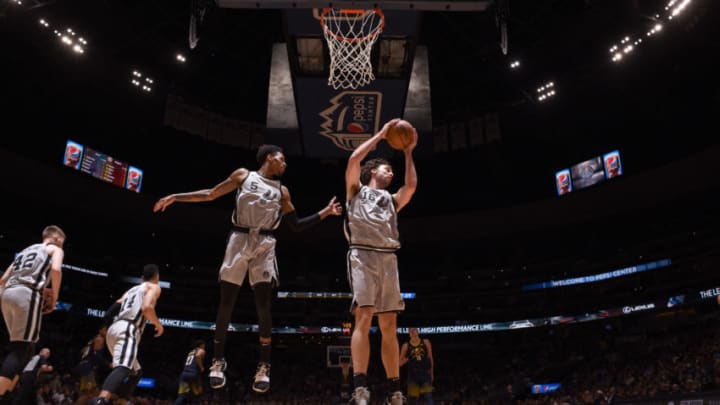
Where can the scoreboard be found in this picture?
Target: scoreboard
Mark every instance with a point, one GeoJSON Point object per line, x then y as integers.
{"type": "Point", "coordinates": [102, 166]}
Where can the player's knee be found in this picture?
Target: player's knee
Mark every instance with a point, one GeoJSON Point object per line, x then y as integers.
{"type": "Point", "coordinates": [388, 324]}
{"type": "Point", "coordinates": [23, 349]}
{"type": "Point", "coordinates": [115, 379]}
{"type": "Point", "coordinates": [363, 317]}
{"type": "Point", "coordinates": [388, 332]}
{"type": "Point", "coordinates": [134, 376]}
{"type": "Point", "coordinates": [19, 354]}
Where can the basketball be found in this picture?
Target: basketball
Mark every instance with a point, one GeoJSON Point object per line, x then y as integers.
{"type": "Point", "coordinates": [401, 135]}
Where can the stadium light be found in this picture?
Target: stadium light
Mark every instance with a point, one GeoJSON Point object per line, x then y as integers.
{"type": "Point", "coordinates": [546, 91]}
{"type": "Point", "coordinates": [679, 9]}
{"type": "Point", "coordinates": [137, 80]}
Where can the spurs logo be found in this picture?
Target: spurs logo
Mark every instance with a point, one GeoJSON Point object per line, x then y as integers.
{"type": "Point", "coordinates": [269, 195]}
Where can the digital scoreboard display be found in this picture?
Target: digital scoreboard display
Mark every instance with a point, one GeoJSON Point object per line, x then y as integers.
{"type": "Point", "coordinates": [102, 166]}
{"type": "Point", "coordinates": [588, 173]}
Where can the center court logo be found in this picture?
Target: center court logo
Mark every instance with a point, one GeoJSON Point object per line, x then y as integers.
{"type": "Point", "coordinates": [352, 118]}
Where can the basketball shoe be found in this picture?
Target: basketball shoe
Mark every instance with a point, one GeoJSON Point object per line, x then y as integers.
{"type": "Point", "coordinates": [396, 398]}
{"type": "Point", "coordinates": [361, 396]}
{"type": "Point", "coordinates": [262, 378]}
{"type": "Point", "coordinates": [217, 373]}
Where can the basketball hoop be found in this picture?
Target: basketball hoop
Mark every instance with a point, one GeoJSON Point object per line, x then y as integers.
{"type": "Point", "coordinates": [350, 35]}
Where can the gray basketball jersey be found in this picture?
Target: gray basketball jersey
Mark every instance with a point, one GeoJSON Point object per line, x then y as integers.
{"type": "Point", "coordinates": [257, 203]}
{"type": "Point", "coordinates": [131, 308]}
{"type": "Point", "coordinates": [31, 267]}
{"type": "Point", "coordinates": [372, 220]}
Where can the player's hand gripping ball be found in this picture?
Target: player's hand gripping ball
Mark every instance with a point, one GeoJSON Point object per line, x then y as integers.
{"type": "Point", "coordinates": [400, 135]}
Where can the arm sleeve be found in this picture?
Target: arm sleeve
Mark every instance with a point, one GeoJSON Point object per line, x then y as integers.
{"type": "Point", "coordinates": [110, 314]}
{"type": "Point", "coordinates": [301, 224]}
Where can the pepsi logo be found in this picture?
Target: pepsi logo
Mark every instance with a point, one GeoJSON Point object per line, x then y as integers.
{"type": "Point", "coordinates": [356, 127]}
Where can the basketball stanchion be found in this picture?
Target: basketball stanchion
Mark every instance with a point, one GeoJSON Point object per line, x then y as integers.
{"type": "Point", "coordinates": [345, 386]}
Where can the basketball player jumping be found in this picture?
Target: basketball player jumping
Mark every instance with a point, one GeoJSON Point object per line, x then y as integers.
{"type": "Point", "coordinates": [371, 230]}
{"type": "Point", "coordinates": [134, 309]}
{"type": "Point", "coordinates": [260, 203]}
{"type": "Point", "coordinates": [23, 300]}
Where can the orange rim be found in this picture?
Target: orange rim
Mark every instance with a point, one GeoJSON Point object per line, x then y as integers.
{"type": "Point", "coordinates": [351, 11]}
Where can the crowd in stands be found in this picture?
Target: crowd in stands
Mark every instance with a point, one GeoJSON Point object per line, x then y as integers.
{"type": "Point", "coordinates": [596, 363]}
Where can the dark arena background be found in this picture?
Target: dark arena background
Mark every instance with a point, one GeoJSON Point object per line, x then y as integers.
{"type": "Point", "coordinates": [561, 248]}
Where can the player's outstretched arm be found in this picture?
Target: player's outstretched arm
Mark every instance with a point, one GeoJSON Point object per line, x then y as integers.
{"type": "Point", "coordinates": [352, 172]}
{"type": "Point", "coordinates": [300, 224]}
{"type": "Point", "coordinates": [405, 193]}
{"type": "Point", "coordinates": [228, 185]}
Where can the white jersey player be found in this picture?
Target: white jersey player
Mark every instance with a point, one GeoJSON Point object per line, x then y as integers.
{"type": "Point", "coordinates": [25, 299]}
{"type": "Point", "coordinates": [260, 203]}
{"type": "Point", "coordinates": [133, 310]}
{"type": "Point", "coordinates": [372, 232]}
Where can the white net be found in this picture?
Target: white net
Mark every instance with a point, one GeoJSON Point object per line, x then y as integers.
{"type": "Point", "coordinates": [350, 35]}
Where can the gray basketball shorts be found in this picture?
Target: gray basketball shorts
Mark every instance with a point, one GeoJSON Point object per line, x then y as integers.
{"type": "Point", "coordinates": [123, 339]}
{"type": "Point", "coordinates": [249, 252]}
{"type": "Point", "coordinates": [374, 280]}
{"type": "Point", "coordinates": [22, 310]}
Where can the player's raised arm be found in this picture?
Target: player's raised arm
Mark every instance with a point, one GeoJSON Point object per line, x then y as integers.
{"type": "Point", "coordinates": [228, 185]}
{"type": "Point", "coordinates": [405, 193]}
{"type": "Point", "coordinates": [352, 172]}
